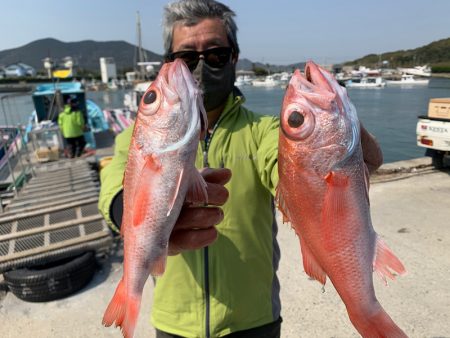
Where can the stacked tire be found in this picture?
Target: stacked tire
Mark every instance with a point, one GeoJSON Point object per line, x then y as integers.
{"type": "Point", "coordinates": [52, 281]}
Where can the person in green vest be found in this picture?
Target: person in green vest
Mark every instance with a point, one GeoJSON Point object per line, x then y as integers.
{"type": "Point", "coordinates": [72, 124]}
{"type": "Point", "coordinates": [221, 275]}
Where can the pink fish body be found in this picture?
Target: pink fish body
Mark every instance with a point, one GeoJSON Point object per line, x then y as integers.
{"type": "Point", "coordinates": [159, 171]}
{"type": "Point", "coordinates": [323, 192]}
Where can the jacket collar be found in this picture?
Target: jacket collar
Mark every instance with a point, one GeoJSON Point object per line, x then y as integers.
{"type": "Point", "coordinates": [234, 100]}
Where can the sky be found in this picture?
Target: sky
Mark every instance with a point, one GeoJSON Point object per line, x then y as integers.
{"type": "Point", "coordinates": [270, 31]}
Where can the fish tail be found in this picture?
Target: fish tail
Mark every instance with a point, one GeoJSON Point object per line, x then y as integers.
{"type": "Point", "coordinates": [377, 325]}
{"type": "Point", "coordinates": [115, 312]}
{"type": "Point", "coordinates": [131, 315]}
{"type": "Point", "coordinates": [122, 311]}
{"type": "Point", "coordinates": [385, 260]}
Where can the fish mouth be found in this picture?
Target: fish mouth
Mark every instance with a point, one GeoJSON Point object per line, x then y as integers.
{"type": "Point", "coordinates": [308, 73]}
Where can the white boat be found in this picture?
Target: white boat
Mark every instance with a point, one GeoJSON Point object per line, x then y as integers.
{"type": "Point", "coordinates": [364, 71]}
{"type": "Point", "coordinates": [133, 98]}
{"type": "Point", "coordinates": [284, 78]}
{"type": "Point", "coordinates": [269, 81]}
{"type": "Point", "coordinates": [418, 71]}
{"type": "Point", "coordinates": [408, 80]}
{"type": "Point", "coordinates": [244, 80]}
{"type": "Point", "coordinates": [239, 81]}
{"type": "Point", "coordinates": [366, 82]}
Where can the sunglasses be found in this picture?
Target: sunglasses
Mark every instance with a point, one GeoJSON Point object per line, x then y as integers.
{"type": "Point", "coordinates": [215, 57]}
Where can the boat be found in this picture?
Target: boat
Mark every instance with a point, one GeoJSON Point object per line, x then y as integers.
{"type": "Point", "coordinates": [408, 80]}
{"type": "Point", "coordinates": [49, 98]}
{"type": "Point", "coordinates": [365, 71]}
{"type": "Point", "coordinates": [269, 81]}
{"type": "Point", "coordinates": [132, 99]}
{"type": "Point", "coordinates": [366, 82]}
{"type": "Point", "coordinates": [284, 78]}
{"type": "Point", "coordinates": [417, 71]}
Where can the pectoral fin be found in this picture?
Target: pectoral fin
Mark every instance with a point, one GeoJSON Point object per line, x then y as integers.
{"type": "Point", "coordinates": [177, 189]}
{"type": "Point", "coordinates": [197, 193]}
{"type": "Point", "coordinates": [151, 167]}
{"type": "Point", "coordinates": [335, 205]}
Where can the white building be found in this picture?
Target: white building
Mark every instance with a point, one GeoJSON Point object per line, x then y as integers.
{"type": "Point", "coordinates": [19, 70]}
{"type": "Point", "coordinates": [108, 69]}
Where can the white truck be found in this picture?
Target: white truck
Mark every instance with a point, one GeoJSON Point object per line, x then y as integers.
{"type": "Point", "coordinates": [433, 132]}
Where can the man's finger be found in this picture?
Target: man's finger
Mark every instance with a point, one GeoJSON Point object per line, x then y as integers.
{"type": "Point", "coordinates": [217, 194]}
{"type": "Point", "coordinates": [216, 175]}
{"type": "Point", "coordinates": [183, 240]}
{"type": "Point", "coordinates": [199, 218]}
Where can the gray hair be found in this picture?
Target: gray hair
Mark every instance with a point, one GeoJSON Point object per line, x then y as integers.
{"type": "Point", "coordinates": [191, 12]}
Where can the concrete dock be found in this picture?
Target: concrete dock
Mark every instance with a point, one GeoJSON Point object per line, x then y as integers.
{"type": "Point", "coordinates": [410, 206]}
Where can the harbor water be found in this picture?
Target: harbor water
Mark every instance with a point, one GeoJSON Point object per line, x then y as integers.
{"type": "Point", "coordinates": [390, 113]}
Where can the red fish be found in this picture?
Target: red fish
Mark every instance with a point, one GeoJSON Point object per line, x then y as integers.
{"type": "Point", "coordinates": [159, 171]}
{"type": "Point", "coordinates": [323, 193]}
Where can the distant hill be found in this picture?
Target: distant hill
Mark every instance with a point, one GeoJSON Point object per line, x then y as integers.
{"type": "Point", "coordinates": [86, 54]}
{"type": "Point", "coordinates": [246, 64]}
{"type": "Point", "coordinates": [435, 54]}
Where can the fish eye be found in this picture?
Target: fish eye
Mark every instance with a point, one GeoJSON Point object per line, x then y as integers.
{"type": "Point", "coordinates": [295, 119]}
{"type": "Point", "coordinates": [150, 97]}
{"type": "Point", "coordinates": [297, 122]}
{"type": "Point", "coordinates": [150, 101]}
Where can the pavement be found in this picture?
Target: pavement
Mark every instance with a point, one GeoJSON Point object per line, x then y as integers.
{"type": "Point", "coordinates": [410, 207]}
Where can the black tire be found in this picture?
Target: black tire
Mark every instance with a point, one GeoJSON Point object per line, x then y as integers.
{"type": "Point", "coordinates": [52, 281]}
{"type": "Point", "coordinates": [437, 160]}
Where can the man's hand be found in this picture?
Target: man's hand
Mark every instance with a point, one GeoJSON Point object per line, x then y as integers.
{"type": "Point", "coordinates": [373, 157]}
{"type": "Point", "coordinates": [194, 228]}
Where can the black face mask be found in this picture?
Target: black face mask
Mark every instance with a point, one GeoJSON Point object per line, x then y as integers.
{"type": "Point", "coordinates": [216, 83]}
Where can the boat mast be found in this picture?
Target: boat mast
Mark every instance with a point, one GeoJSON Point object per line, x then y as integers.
{"type": "Point", "coordinates": [140, 56]}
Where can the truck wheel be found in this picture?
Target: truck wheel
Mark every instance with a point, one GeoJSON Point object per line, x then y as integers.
{"type": "Point", "coordinates": [437, 160]}
{"type": "Point", "coordinates": [52, 281]}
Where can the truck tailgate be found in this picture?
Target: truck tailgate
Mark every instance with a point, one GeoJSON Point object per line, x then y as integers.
{"type": "Point", "coordinates": [433, 133]}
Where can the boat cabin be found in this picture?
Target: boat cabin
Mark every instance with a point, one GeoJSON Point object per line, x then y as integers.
{"type": "Point", "coordinates": [49, 99]}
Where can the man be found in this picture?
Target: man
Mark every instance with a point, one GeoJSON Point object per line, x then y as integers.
{"type": "Point", "coordinates": [221, 278]}
{"type": "Point", "coordinates": [71, 123]}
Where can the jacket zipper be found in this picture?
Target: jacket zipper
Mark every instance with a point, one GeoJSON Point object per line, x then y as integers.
{"type": "Point", "coordinates": [206, 144]}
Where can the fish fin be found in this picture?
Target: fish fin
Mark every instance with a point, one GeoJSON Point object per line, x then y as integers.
{"type": "Point", "coordinates": [115, 312]}
{"type": "Point", "coordinates": [131, 315]}
{"type": "Point", "coordinates": [367, 182]}
{"type": "Point", "coordinates": [385, 261]}
{"type": "Point", "coordinates": [335, 206]}
{"type": "Point", "coordinates": [281, 205]}
{"type": "Point", "coordinates": [336, 179]}
{"type": "Point", "coordinates": [197, 192]}
{"type": "Point", "coordinates": [177, 189]}
{"type": "Point", "coordinates": [159, 266]}
{"type": "Point", "coordinates": [310, 264]}
{"type": "Point", "coordinates": [151, 167]}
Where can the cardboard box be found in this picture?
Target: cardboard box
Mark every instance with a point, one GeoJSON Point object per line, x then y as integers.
{"type": "Point", "coordinates": [439, 108]}
{"type": "Point", "coordinates": [47, 154]}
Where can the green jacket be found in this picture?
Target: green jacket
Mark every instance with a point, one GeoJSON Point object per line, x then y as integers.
{"type": "Point", "coordinates": [71, 123]}
{"type": "Point", "coordinates": [232, 284]}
